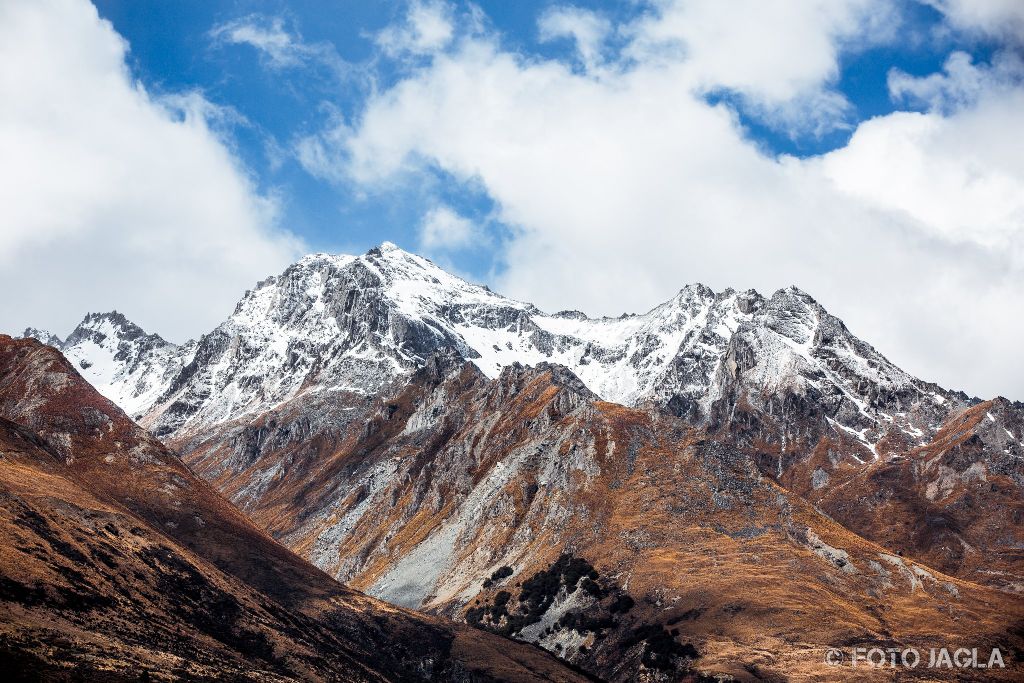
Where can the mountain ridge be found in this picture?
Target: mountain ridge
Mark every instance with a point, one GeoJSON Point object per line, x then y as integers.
{"type": "Point", "coordinates": [667, 355]}
{"type": "Point", "coordinates": [308, 350]}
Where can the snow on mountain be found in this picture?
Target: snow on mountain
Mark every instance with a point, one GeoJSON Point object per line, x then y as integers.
{"type": "Point", "coordinates": [357, 324]}
{"type": "Point", "coordinates": [328, 323]}
{"type": "Point", "coordinates": [794, 361]}
{"type": "Point", "coordinates": [45, 336]}
{"type": "Point", "coordinates": [123, 362]}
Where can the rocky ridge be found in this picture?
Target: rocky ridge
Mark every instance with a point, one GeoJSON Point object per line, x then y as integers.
{"type": "Point", "coordinates": [360, 324]}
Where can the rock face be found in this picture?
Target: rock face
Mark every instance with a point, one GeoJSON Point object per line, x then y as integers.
{"type": "Point", "coordinates": [954, 503]}
{"type": "Point", "coordinates": [414, 434]}
{"type": "Point", "coordinates": [116, 561]}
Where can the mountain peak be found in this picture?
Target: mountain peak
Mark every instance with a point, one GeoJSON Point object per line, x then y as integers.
{"type": "Point", "coordinates": [358, 323]}
{"type": "Point", "coordinates": [697, 289]}
{"type": "Point", "coordinates": [120, 359]}
{"type": "Point", "coordinates": [106, 324]}
{"type": "Point", "coordinates": [385, 248]}
{"type": "Point", "coordinates": [44, 336]}
{"type": "Point", "coordinates": [793, 292]}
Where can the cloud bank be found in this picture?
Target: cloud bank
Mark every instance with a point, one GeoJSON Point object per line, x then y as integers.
{"type": "Point", "coordinates": [113, 197]}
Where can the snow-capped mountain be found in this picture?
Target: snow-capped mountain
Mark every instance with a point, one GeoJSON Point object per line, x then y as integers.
{"type": "Point", "coordinates": [415, 434]}
{"type": "Point", "coordinates": [44, 336]}
{"type": "Point", "coordinates": [360, 323]}
{"type": "Point", "coordinates": [124, 363]}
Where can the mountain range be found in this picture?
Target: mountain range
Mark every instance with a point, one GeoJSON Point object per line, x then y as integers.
{"type": "Point", "coordinates": [726, 485]}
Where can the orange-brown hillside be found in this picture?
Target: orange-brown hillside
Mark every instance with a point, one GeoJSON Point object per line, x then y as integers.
{"type": "Point", "coordinates": [116, 562]}
{"type": "Point", "coordinates": [727, 573]}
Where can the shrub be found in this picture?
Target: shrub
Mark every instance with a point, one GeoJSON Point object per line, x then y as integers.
{"type": "Point", "coordinates": [621, 604]}
{"type": "Point", "coordinates": [501, 573]}
{"type": "Point", "coordinates": [660, 648]}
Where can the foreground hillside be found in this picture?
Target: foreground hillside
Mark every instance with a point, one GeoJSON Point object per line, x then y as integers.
{"type": "Point", "coordinates": [117, 563]}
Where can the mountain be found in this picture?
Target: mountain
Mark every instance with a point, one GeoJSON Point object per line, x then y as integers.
{"type": "Point", "coordinates": [123, 362]}
{"type": "Point", "coordinates": [43, 336]}
{"type": "Point", "coordinates": [779, 377]}
{"type": "Point", "coordinates": [117, 563]}
{"type": "Point", "coordinates": [491, 501]}
{"type": "Point", "coordinates": [415, 434]}
{"type": "Point", "coordinates": [358, 324]}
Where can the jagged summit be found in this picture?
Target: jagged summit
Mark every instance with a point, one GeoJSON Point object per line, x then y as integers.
{"type": "Point", "coordinates": [98, 326]}
{"type": "Point", "coordinates": [124, 362]}
{"type": "Point", "coordinates": [45, 336]}
{"type": "Point", "coordinates": [359, 323]}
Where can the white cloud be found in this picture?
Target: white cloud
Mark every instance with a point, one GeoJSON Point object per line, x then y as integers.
{"type": "Point", "coordinates": [427, 28]}
{"type": "Point", "coordinates": [267, 35]}
{"type": "Point", "coordinates": [317, 154]}
{"type": "Point", "coordinates": [279, 47]}
{"type": "Point", "coordinates": [960, 84]}
{"type": "Point", "coordinates": [958, 178]}
{"type": "Point", "coordinates": [780, 57]}
{"type": "Point", "coordinates": [1000, 18]}
{"type": "Point", "coordinates": [621, 184]}
{"type": "Point", "coordinates": [588, 29]}
{"type": "Point", "coordinates": [114, 198]}
{"type": "Point", "coordinates": [443, 228]}
{"type": "Point", "coordinates": [749, 45]}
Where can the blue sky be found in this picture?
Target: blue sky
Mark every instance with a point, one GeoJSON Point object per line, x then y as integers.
{"type": "Point", "coordinates": [159, 158]}
{"type": "Point", "coordinates": [172, 49]}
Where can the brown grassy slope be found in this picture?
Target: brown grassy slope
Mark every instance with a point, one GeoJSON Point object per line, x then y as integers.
{"type": "Point", "coordinates": [954, 503]}
{"type": "Point", "coordinates": [519, 470]}
{"type": "Point", "coordinates": [953, 499]}
{"type": "Point", "coordinates": [115, 560]}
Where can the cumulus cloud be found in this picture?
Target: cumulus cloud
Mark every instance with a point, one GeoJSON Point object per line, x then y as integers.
{"type": "Point", "coordinates": [588, 29]}
{"type": "Point", "coordinates": [443, 228]}
{"type": "Point", "coordinates": [961, 83]}
{"type": "Point", "coordinates": [957, 178]}
{"type": "Point", "coordinates": [1000, 18]}
{"type": "Point", "coordinates": [621, 184]}
{"type": "Point", "coordinates": [428, 27]}
{"type": "Point", "coordinates": [780, 58]}
{"type": "Point", "coordinates": [114, 198]}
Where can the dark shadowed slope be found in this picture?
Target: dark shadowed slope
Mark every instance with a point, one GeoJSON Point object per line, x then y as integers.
{"type": "Point", "coordinates": [117, 563]}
